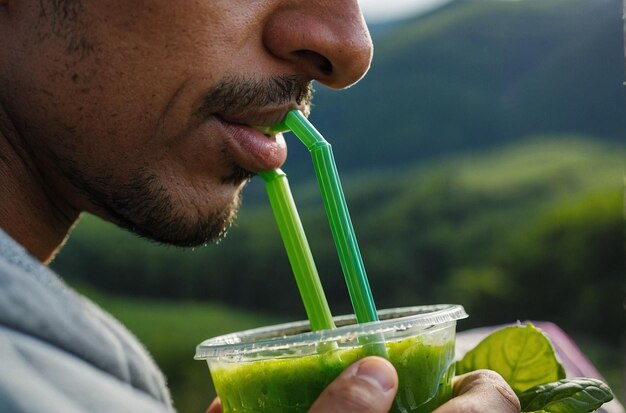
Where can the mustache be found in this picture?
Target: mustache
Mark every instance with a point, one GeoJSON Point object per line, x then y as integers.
{"type": "Point", "coordinates": [238, 94]}
{"type": "Point", "coordinates": [235, 94]}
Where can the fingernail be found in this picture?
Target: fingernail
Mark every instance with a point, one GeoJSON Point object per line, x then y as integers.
{"type": "Point", "coordinates": [377, 372]}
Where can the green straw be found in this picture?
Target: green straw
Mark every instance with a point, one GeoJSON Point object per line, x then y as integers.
{"type": "Point", "coordinates": [338, 215]}
{"type": "Point", "coordinates": [298, 250]}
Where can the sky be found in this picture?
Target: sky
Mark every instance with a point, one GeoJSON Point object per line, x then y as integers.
{"type": "Point", "coordinates": [384, 10]}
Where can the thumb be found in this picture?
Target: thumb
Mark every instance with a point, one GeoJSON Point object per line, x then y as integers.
{"type": "Point", "coordinates": [215, 407]}
{"type": "Point", "coordinates": [368, 386]}
{"type": "Point", "coordinates": [481, 391]}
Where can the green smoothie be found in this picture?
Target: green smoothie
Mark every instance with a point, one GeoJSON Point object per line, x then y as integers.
{"type": "Point", "coordinates": [291, 385]}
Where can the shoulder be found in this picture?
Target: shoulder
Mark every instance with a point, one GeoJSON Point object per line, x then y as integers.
{"type": "Point", "coordinates": [65, 345]}
{"type": "Point", "coordinates": [38, 377]}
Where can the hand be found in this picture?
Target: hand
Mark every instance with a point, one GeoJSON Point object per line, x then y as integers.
{"type": "Point", "coordinates": [481, 391]}
{"type": "Point", "coordinates": [367, 386]}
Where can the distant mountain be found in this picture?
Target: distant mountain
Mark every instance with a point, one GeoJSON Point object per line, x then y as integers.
{"type": "Point", "coordinates": [475, 74]}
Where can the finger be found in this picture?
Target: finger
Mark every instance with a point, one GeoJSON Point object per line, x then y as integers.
{"type": "Point", "coordinates": [481, 391]}
{"type": "Point", "coordinates": [215, 407]}
{"type": "Point", "coordinates": [368, 386]}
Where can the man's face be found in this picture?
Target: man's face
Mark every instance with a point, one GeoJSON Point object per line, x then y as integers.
{"type": "Point", "coordinates": [141, 111]}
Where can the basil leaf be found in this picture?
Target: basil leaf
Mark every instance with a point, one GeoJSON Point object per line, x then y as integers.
{"type": "Point", "coordinates": [522, 355]}
{"type": "Point", "coordinates": [580, 395]}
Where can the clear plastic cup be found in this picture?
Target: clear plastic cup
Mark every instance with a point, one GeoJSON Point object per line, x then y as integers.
{"type": "Point", "coordinates": [284, 368]}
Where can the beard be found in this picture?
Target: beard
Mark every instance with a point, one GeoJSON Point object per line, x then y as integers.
{"type": "Point", "coordinates": [147, 208]}
{"type": "Point", "coordinates": [144, 205]}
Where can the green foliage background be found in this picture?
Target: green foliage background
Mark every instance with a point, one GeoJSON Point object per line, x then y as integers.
{"type": "Point", "coordinates": [530, 231]}
{"type": "Point", "coordinates": [483, 160]}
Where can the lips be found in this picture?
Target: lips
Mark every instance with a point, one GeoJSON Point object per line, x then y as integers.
{"type": "Point", "coordinates": [250, 148]}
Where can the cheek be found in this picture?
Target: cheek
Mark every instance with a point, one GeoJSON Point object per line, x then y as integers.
{"type": "Point", "coordinates": [186, 36]}
{"type": "Point", "coordinates": [167, 27]}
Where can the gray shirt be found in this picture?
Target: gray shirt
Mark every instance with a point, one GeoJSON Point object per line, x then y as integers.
{"type": "Point", "coordinates": [59, 352]}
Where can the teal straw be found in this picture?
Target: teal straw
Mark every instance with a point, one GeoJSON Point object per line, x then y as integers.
{"type": "Point", "coordinates": [298, 250]}
{"type": "Point", "coordinates": [338, 215]}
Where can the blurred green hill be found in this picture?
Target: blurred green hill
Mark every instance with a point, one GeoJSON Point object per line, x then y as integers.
{"type": "Point", "coordinates": [541, 218]}
{"type": "Point", "coordinates": [475, 74]}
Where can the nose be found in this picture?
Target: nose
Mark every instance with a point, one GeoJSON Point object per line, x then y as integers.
{"type": "Point", "coordinates": [325, 40]}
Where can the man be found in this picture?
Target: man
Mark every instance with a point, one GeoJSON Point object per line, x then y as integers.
{"type": "Point", "coordinates": [152, 115]}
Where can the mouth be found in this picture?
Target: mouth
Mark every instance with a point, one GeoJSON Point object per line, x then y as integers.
{"type": "Point", "coordinates": [250, 140]}
{"type": "Point", "coordinates": [265, 130]}
{"type": "Point", "coordinates": [262, 119]}
{"type": "Point", "coordinates": [242, 112]}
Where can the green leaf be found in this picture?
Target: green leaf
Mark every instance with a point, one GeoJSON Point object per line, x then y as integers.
{"type": "Point", "coordinates": [522, 355]}
{"type": "Point", "coordinates": [580, 395]}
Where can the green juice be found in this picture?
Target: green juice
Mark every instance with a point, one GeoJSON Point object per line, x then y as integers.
{"type": "Point", "coordinates": [291, 385]}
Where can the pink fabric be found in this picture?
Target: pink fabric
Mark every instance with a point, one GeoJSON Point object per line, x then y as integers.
{"type": "Point", "coordinates": [573, 360]}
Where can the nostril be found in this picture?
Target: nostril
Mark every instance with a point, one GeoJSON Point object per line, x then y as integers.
{"type": "Point", "coordinates": [318, 61]}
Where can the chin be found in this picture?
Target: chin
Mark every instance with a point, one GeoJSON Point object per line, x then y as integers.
{"type": "Point", "coordinates": [179, 233]}
{"type": "Point", "coordinates": [188, 227]}
{"type": "Point", "coordinates": [155, 211]}
{"type": "Point", "coordinates": [191, 230]}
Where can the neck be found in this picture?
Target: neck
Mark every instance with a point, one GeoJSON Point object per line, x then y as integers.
{"type": "Point", "coordinates": [29, 212]}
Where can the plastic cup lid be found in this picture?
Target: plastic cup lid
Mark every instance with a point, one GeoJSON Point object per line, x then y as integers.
{"type": "Point", "coordinates": [296, 334]}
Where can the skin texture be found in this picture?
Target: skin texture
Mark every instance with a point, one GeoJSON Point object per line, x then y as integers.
{"type": "Point", "coordinates": [114, 107]}
{"type": "Point", "coordinates": [137, 112]}
{"type": "Point", "coordinates": [481, 391]}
